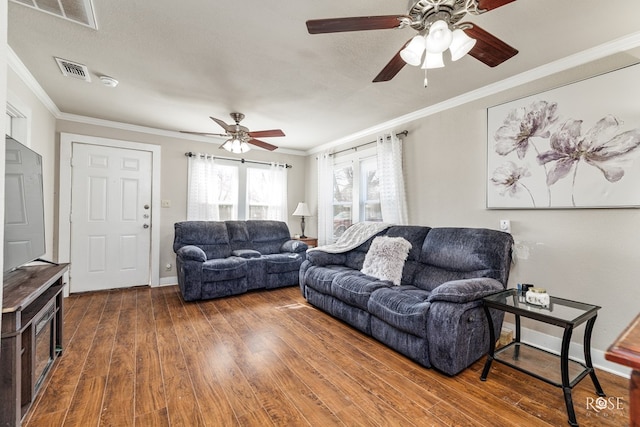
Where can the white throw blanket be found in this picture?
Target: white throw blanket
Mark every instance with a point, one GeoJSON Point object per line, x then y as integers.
{"type": "Point", "coordinates": [353, 237]}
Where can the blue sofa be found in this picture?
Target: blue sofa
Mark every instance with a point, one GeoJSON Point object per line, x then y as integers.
{"type": "Point", "coordinates": [435, 317]}
{"type": "Point", "coordinates": [220, 258]}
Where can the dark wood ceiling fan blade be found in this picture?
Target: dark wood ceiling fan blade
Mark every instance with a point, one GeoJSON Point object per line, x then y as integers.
{"type": "Point", "coordinates": [358, 23]}
{"type": "Point", "coordinates": [223, 125]}
{"type": "Point", "coordinates": [262, 144]}
{"type": "Point", "coordinates": [204, 133]}
{"type": "Point", "coordinates": [392, 68]}
{"type": "Point", "coordinates": [266, 133]}
{"type": "Point", "coordinates": [489, 49]}
{"type": "Point", "coordinates": [492, 4]}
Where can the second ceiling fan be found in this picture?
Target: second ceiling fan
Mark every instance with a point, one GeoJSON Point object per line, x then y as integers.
{"type": "Point", "coordinates": [240, 136]}
{"type": "Point", "coordinates": [439, 29]}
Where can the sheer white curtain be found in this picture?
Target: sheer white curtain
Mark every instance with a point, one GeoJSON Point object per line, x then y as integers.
{"type": "Point", "coordinates": [393, 201]}
{"type": "Point", "coordinates": [277, 192]}
{"type": "Point", "coordinates": [202, 200]}
{"type": "Point", "coordinates": [325, 198]}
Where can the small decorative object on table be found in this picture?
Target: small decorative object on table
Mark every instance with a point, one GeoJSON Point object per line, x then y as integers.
{"type": "Point", "coordinates": [538, 296]}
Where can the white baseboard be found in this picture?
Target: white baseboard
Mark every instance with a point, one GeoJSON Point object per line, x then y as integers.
{"type": "Point", "coordinates": [168, 281]}
{"type": "Point", "coordinates": [553, 344]}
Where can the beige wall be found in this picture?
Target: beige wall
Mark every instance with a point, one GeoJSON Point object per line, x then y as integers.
{"type": "Point", "coordinates": [173, 185]}
{"type": "Point", "coordinates": [588, 255]}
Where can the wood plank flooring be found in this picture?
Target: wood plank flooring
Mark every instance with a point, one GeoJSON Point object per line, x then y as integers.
{"type": "Point", "coordinates": [144, 357]}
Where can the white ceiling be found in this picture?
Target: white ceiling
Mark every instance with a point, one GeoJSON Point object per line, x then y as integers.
{"type": "Point", "coordinates": [179, 62]}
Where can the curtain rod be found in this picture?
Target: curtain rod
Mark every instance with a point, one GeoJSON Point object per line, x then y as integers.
{"type": "Point", "coordinates": [192, 154]}
{"type": "Point", "coordinates": [403, 133]}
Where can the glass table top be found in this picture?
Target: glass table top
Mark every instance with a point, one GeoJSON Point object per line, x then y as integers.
{"type": "Point", "coordinates": [560, 311]}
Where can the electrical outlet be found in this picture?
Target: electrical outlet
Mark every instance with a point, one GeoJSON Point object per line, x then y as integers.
{"type": "Point", "coordinates": [165, 203]}
{"type": "Point", "coordinates": [505, 225]}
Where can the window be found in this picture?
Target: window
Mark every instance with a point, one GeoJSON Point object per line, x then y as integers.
{"type": "Point", "coordinates": [356, 191]}
{"type": "Point", "coordinates": [224, 190]}
{"type": "Point", "coordinates": [225, 187]}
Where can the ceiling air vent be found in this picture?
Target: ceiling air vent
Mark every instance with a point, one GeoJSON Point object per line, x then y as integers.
{"type": "Point", "coordinates": [73, 69]}
{"type": "Point", "coordinates": [78, 11]}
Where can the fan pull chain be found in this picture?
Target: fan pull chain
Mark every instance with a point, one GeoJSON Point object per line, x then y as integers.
{"type": "Point", "coordinates": [425, 78]}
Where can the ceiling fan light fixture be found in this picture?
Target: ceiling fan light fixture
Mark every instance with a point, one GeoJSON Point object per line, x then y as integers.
{"type": "Point", "coordinates": [236, 146]}
{"type": "Point", "coordinates": [432, 60]}
{"type": "Point", "coordinates": [439, 37]}
{"type": "Point", "coordinates": [412, 53]}
{"type": "Point", "coordinates": [461, 44]}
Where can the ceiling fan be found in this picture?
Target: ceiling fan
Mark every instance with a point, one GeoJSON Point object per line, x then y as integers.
{"type": "Point", "coordinates": [240, 137]}
{"type": "Point", "coordinates": [439, 29]}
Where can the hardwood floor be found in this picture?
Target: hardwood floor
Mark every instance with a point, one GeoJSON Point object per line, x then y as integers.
{"type": "Point", "coordinates": [144, 357]}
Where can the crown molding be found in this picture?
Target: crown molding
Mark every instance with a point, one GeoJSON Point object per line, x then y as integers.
{"type": "Point", "coordinates": [25, 75]}
{"type": "Point", "coordinates": [615, 46]}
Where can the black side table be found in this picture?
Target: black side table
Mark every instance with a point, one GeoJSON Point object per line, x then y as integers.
{"type": "Point", "coordinates": [524, 357]}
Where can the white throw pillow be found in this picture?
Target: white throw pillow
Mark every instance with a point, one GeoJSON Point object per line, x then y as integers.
{"type": "Point", "coordinates": [385, 258]}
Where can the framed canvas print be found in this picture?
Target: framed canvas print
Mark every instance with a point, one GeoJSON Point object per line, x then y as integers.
{"type": "Point", "coordinates": [576, 146]}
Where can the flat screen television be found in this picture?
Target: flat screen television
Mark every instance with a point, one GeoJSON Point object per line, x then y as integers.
{"type": "Point", "coordinates": [23, 206]}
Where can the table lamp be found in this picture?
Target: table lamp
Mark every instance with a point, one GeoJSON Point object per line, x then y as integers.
{"type": "Point", "coordinates": [302, 210]}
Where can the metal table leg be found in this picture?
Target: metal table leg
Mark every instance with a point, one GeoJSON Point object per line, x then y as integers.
{"type": "Point", "coordinates": [564, 370]}
{"type": "Point", "coordinates": [587, 356]}
{"type": "Point", "coordinates": [492, 345]}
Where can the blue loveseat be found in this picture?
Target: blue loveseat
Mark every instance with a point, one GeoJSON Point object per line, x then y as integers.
{"type": "Point", "coordinates": [435, 315]}
{"type": "Point", "coordinates": [221, 258]}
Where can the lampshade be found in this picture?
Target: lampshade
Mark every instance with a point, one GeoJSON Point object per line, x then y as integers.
{"type": "Point", "coordinates": [412, 53]}
{"type": "Point", "coordinates": [439, 37]}
{"type": "Point", "coordinates": [432, 60]}
{"type": "Point", "coordinates": [234, 145]}
{"type": "Point", "coordinates": [302, 210]}
{"type": "Point", "coordinates": [461, 44]}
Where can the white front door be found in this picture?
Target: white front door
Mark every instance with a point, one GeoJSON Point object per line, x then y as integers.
{"type": "Point", "coordinates": [110, 217]}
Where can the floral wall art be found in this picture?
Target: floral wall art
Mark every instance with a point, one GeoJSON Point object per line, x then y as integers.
{"type": "Point", "coordinates": [577, 146]}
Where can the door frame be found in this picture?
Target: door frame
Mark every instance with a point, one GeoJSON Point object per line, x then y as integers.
{"type": "Point", "coordinates": [64, 199]}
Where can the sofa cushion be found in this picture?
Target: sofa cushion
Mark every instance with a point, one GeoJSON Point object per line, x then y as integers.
{"type": "Point", "coordinates": [386, 257]}
{"type": "Point", "coordinates": [404, 307]}
{"type": "Point", "coordinates": [215, 270]}
{"type": "Point", "coordinates": [463, 253]}
{"type": "Point", "coordinates": [320, 278]}
{"type": "Point", "coordinates": [267, 236]}
{"type": "Point", "coordinates": [414, 234]}
{"type": "Point", "coordinates": [210, 236]}
{"type": "Point", "coordinates": [355, 288]}
{"type": "Point", "coordinates": [238, 235]}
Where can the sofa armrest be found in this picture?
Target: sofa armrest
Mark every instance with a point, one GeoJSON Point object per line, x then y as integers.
{"type": "Point", "coordinates": [191, 253]}
{"type": "Point", "coordinates": [321, 258]}
{"type": "Point", "coordinates": [294, 245]}
{"type": "Point", "coordinates": [466, 290]}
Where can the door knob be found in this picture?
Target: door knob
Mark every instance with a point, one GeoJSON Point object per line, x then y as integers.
{"type": "Point", "coordinates": [145, 226]}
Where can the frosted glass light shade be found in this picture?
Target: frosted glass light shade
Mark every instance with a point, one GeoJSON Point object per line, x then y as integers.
{"type": "Point", "coordinates": [412, 53]}
{"type": "Point", "coordinates": [439, 37]}
{"type": "Point", "coordinates": [432, 60]}
{"type": "Point", "coordinates": [236, 146]}
{"type": "Point", "coordinates": [461, 44]}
